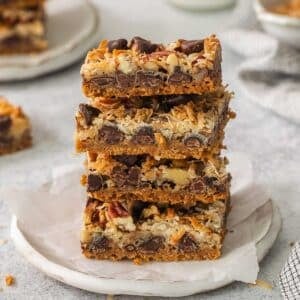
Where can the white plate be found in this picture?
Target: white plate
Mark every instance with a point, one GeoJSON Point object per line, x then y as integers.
{"type": "Point", "coordinates": [130, 287]}
{"type": "Point", "coordinates": [72, 29]}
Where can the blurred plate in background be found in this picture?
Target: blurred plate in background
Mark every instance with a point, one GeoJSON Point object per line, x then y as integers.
{"type": "Point", "coordinates": [72, 29]}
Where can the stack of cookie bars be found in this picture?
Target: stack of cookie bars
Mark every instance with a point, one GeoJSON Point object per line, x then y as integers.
{"type": "Point", "coordinates": [152, 132]}
{"type": "Point", "coordinates": [22, 26]}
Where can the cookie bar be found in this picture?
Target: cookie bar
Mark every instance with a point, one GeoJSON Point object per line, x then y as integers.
{"type": "Point", "coordinates": [140, 68]}
{"type": "Point", "coordinates": [153, 231]}
{"type": "Point", "coordinates": [144, 178]}
{"type": "Point", "coordinates": [176, 126]}
{"type": "Point", "coordinates": [20, 4]}
{"type": "Point", "coordinates": [22, 30]}
{"type": "Point", "coordinates": [15, 129]}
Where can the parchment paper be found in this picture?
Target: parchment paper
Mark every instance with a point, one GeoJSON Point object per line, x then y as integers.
{"type": "Point", "coordinates": [50, 217]}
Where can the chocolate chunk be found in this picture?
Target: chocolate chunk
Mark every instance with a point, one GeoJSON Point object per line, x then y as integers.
{"type": "Point", "coordinates": [178, 76]}
{"type": "Point", "coordinates": [197, 186]}
{"type": "Point", "coordinates": [144, 136]}
{"type": "Point", "coordinates": [141, 45]}
{"type": "Point", "coordinates": [191, 46]}
{"type": "Point", "coordinates": [111, 135]}
{"type": "Point", "coordinates": [194, 141]}
{"type": "Point", "coordinates": [149, 79]}
{"type": "Point", "coordinates": [94, 183]}
{"type": "Point", "coordinates": [120, 44]}
{"type": "Point", "coordinates": [5, 123]}
{"type": "Point", "coordinates": [91, 201]}
{"type": "Point", "coordinates": [129, 248]}
{"type": "Point", "coordinates": [124, 80]}
{"type": "Point", "coordinates": [187, 244]}
{"type": "Point", "coordinates": [153, 244]}
{"type": "Point", "coordinates": [99, 243]}
{"type": "Point", "coordinates": [119, 175]}
{"type": "Point", "coordinates": [89, 113]}
{"type": "Point", "coordinates": [128, 160]}
{"type": "Point", "coordinates": [133, 176]}
{"type": "Point", "coordinates": [103, 81]}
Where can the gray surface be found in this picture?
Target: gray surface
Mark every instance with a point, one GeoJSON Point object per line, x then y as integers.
{"type": "Point", "coordinates": [272, 143]}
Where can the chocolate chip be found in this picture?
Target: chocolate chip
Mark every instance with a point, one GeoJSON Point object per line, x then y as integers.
{"type": "Point", "coordinates": [210, 181]}
{"type": "Point", "coordinates": [200, 166]}
{"type": "Point", "coordinates": [94, 183]}
{"type": "Point", "coordinates": [141, 45]}
{"type": "Point", "coordinates": [99, 243]}
{"type": "Point", "coordinates": [149, 79]}
{"type": "Point", "coordinates": [168, 185]}
{"type": "Point", "coordinates": [119, 175]}
{"type": "Point", "coordinates": [194, 141]}
{"type": "Point", "coordinates": [95, 216]}
{"type": "Point", "coordinates": [178, 76]}
{"type": "Point", "coordinates": [135, 209]}
{"type": "Point", "coordinates": [110, 135]}
{"type": "Point", "coordinates": [124, 80]}
{"type": "Point", "coordinates": [130, 248]}
{"type": "Point", "coordinates": [191, 46]}
{"type": "Point", "coordinates": [133, 176]}
{"type": "Point", "coordinates": [103, 81]}
{"type": "Point", "coordinates": [128, 160]}
{"type": "Point", "coordinates": [89, 113]}
{"type": "Point", "coordinates": [144, 136]}
{"type": "Point", "coordinates": [5, 123]}
{"type": "Point", "coordinates": [169, 102]}
{"type": "Point", "coordinates": [187, 244]}
{"type": "Point", "coordinates": [120, 44]}
{"type": "Point", "coordinates": [153, 244]}
{"type": "Point", "coordinates": [6, 141]}
{"type": "Point", "coordinates": [197, 186]}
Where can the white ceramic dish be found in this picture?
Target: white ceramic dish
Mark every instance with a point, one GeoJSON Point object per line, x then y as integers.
{"type": "Point", "coordinates": [72, 29]}
{"type": "Point", "coordinates": [95, 284]}
{"type": "Point", "coordinates": [286, 29]}
{"type": "Point", "coordinates": [202, 4]}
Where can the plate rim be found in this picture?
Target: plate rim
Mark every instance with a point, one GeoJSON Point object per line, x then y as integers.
{"type": "Point", "coordinates": [125, 286]}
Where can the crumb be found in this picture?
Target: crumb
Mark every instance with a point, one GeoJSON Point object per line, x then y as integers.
{"type": "Point", "coordinates": [2, 242]}
{"type": "Point", "coordinates": [292, 244]}
{"type": "Point", "coordinates": [9, 280]}
{"type": "Point", "coordinates": [263, 284]}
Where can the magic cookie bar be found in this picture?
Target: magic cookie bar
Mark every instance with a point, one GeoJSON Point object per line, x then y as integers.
{"type": "Point", "coordinates": [165, 180]}
{"type": "Point", "coordinates": [22, 29]}
{"type": "Point", "coordinates": [176, 126]}
{"type": "Point", "coordinates": [146, 231]}
{"type": "Point", "coordinates": [140, 68]}
{"type": "Point", "coordinates": [15, 129]}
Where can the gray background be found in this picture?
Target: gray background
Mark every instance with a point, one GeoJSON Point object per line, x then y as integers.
{"type": "Point", "coordinates": [271, 142]}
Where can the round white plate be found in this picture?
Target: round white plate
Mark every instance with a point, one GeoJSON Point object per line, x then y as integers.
{"type": "Point", "coordinates": [72, 30]}
{"type": "Point", "coordinates": [130, 287]}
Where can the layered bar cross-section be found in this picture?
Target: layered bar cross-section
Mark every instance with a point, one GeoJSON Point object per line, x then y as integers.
{"type": "Point", "coordinates": [118, 68]}
{"type": "Point", "coordinates": [175, 126]}
{"type": "Point", "coordinates": [153, 231]}
{"type": "Point", "coordinates": [142, 177]}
